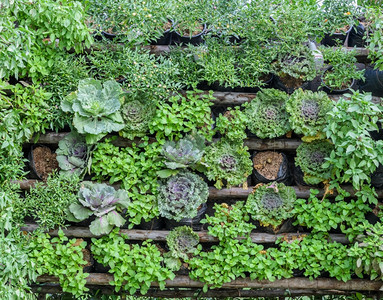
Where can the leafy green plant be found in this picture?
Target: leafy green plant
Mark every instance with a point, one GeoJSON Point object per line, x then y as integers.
{"type": "Point", "coordinates": [60, 257]}
{"type": "Point", "coordinates": [95, 108]}
{"type": "Point", "coordinates": [47, 202]}
{"type": "Point", "coordinates": [266, 114]}
{"type": "Point", "coordinates": [311, 157]}
{"type": "Point", "coordinates": [374, 38]}
{"type": "Point", "coordinates": [337, 14]}
{"type": "Point", "coordinates": [271, 204]}
{"type": "Point", "coordinates": [342, 70]}
{"type": "Point", "coordinates": [180, 195]}
{"type": "Point", "coordinates": [308, 111]}
{"type": "Point", "coordinates": [183, 115]}
{"type": "Point", "coordinates": [134, 267]}
{"type": "Point", "coordinates": [72, 154]}
{"type": "Point", "coordinates": [232, 125]}
{"type": "Point", "coordinates": [227, 164]}
{"type": "Point", "coordinates": [102, 201]}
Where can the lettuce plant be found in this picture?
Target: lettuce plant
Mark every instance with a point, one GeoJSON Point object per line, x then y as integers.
{"type": "Point", "coordinates": [266, 114]}
{"type": "Point", "coordinates": [308, 111]}
{"type": "Point", "coordinates": [137, 111]}
{"type": "Point", "coordinates": [311, 157]}
{"type": "Point", "coordinates": [72, 154]}
{"type": "Point", "coordinates": [229, 163]}
{"type": "Point", "coordinates": [181, 195]}
{"type": "Point", "coordinates": [103, 202]}
{"type": "Point", "coordinates": [271, 204]}
{"type": "Point", "coordinates": [95, 107]}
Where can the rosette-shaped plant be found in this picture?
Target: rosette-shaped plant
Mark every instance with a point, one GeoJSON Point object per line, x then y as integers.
{"type": "Point", "coordinates": [96, 108]}
{"type": "Point", "coordinates": [271, 204]}
{"type": "Point", "coordinates": [227, 163]}
{"type": "Point", "coordinates": [102, 201]}
{"type": "Point", "coordinates": [266, 114]}
{"type": "Point", "coordinates": [308, 112]}
{"type": "Point", "coordinates": [137, 110]}
{"type": "Point", "coordinates": [311, 157]}
{"type": "Point", "coordinates": [72, 154]}
{"type": "Point", "coordinates": [180, 195]}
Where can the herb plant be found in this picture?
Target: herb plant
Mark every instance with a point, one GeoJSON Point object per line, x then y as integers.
{"type": "Point", "coordinates": [102, 201]}
{"type": "Point", "coordinates": [227, 164]}
{"type": "Point", "coordinates": [180, 195]}
{"type": "Point", "coordinates": [271, 204]}
{"type": "Point", "coordinates": [374, 39]}
{"type": "Point", "coordinates": [232, 125]}
{"type": "Point", "coordinates": [266, 114]}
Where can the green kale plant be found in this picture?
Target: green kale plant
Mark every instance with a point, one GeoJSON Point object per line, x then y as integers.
{"type": "Point", "coordinates": [311, 157]}
{"type": "Point", "coordinates": [182, 115]}
{"type": "Point", "coordinates": [228, 164]}
{"type": "Point", "coordinates": [271, 204]}
{"type": "Point", "coordinates": [232, 125]}
{"type": "Point", "coordinates": [308, 111]}
{"type": "Point", "coordinates": [134, 267]}
{"type": "Point", "coordinates": [266, 114]}
{"type": "Point", "coordinates": [136, 168]}
{"type": "Point", "coordinates": [356, 155]}
{"type": "Point", "coordinates": [138, 110]}
{"type": "Point", "coordinates": [73, 154]}
{"type": "Point", "coordinates": [95, 108]}
{"type": "Point", "coordinates": [180, 196]}
{"type": "Point", "coordinates": [102, 201]}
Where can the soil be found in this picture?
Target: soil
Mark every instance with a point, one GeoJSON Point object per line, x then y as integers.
{"type": "Point", "coordinates": [45, 161]}
{"type": "Point", "coordinates": [228, 115]}
{"type": "Point", "coordinates": [265, 77]}
{"type": "Point", "coordinates": [268, 164]}
{"type": "Point", "coordinates": [291, 82]}
{"type": "Point", "coordinates": [343, 29]}
{"type": "Point", "coordinates": [197, 30]}
{"type": "Point", "coordinates": [167, 26]}
{"type": "Point", "coordinates": [87, 257]}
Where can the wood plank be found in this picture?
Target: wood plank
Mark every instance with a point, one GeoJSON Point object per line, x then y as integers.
{"type": "Point", "coordinates": [160, 235]}
{"type": "Point", "coordinates": [102, 279]}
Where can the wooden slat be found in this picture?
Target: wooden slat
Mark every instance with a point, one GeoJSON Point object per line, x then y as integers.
{"type": "Point", "coordinates": [102, 279]}
{"type": "Point", "coordinates": [160, 235]}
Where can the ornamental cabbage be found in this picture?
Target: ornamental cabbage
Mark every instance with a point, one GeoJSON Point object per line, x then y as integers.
{"type": "Point", "coordinates": [266, 114]}
{"type": "Point", "coordinates": [96, 108]}
{"type": "Point", "coordinates": [180, 195]}
{"type": "Point", "coordinates": [102, 201]}
{"type": "Point", "coordinates": [271, 204]}
{"type": "Point", "coordinates": [227, 163]}
{"type": "Point", "coordinates": [181, 241]}
{"type": "Point", "coordinates": [308, 112]}
{"type": "Point", "coordinates": [311, 157]}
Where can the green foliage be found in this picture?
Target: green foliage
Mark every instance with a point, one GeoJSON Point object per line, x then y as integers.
{"type": "Point", "coordinates": [308, 111]}
{"type": "Point", "coordinates": [102, 201]}
{"type": "Point", "coordinates": [356, 155]}
{"type": "Point", "coordinates": [60, 257]}
{"type": "Point", "coordinates": [232, 125]}
{"type": "Point", "coordinates": [180, 196]}
{"type": "Point", "coordinates": [72, 154]}
{"type": "Point", "coordinates": [182, 241]}
{"type": "Point", "coordinates": [311, 157]}
{"type": "Point", "coordinates": [271, 204]}
{"type": "Point", "coordinates": [337, 14]}
{"type": "Point", "coordinates": [136, 168]}
{"type": "Point", "coordinates": [133, 266]}
{"type": "Point", "coordinates": [183, 115]}
{"type": "Point", "coordinates": [266, 114]}
{"type": "Point", "coordinates": [374, 39]}
{"type": "Point", "coordinates": [227, 164]}
{"type": "Point", "coordinates": [342, 68]}
{"type": "Point", "coordinates": [96, 108]}
{"type": "Point", "coordinates": [47, 202]}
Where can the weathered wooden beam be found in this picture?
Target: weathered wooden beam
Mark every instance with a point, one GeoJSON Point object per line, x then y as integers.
{"type": "Point", "coordinates": [103, 279]}
{"type": "Point", "coordinates": [160, 235]}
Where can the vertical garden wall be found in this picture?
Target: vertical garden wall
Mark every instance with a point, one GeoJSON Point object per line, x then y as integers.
{"type": "Point", "coordinates": [179, 148]}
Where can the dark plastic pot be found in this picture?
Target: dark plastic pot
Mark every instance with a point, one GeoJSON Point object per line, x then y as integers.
{"type": "Point", "coordinates": [109, 36]}
{"type": "Point", "coordinates": [154, 224]}
{"type": "Point", "coordinates": [334, 38]}
{"type": "Point", "coordinates": [355, 38]}
{"type": "Point", "coordinates": [284, 175]}
{"type": "Point", "coordinates": [298, 176]}
{"type": "Point", "coordinates": [99, 268]}
{"type": "Point", "coordinates": [194, 40]}
{"type": "Point", "coordinates": [286, 226]}
{"type": "Point", "coordinates": [377, 177]}
{"type": "Point", "coordinates": [330, 90]}
{"type": "Point", "coordinates": [278, 84]}
{"type": "Point", "coordinates": [377, 135]}
{"type": "Point", "coordinates": [373, 82]}
{"type": "Point", "coordinates": [165, 39]}
{"type": "Point", "coordinates": [269, 83]}
{"type": "Point", "coordinates": [192, 222]}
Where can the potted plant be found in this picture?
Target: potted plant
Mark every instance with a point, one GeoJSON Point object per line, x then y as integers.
{"type": "Point", "coordinates": [102, 201]}
{"type": "Point", "coordinates": [189, 33]}
{"type": "Point", "coordinates": [271, 204]}
{"type": "Point", "coordinates": [232, 125]}
{"type": "Point", "coordinates": [42, 161]}
{"type": "Point", "coordinates": [271, 166]}
{"type": "Point", "coordinates": [308, 113]}
{"type": "Point", "coordinates": [266, 114]}
{"type": "Point", "coordinates": [342, 73]}
{"type": "Point", "coordinates": [227, 164]}
{"type": "Point", "coordinates": [309, 162]}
